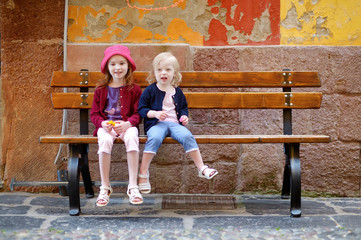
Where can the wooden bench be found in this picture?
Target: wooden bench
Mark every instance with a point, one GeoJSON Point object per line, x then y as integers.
{"type": "Point", "coordinates": [281, 98]}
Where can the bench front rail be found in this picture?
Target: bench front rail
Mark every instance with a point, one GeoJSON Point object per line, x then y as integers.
{"type": "Point", "coordinates": [284, 99]}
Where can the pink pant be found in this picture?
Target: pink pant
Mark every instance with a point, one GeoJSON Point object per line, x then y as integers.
{"type": "Point", "coordinates": [129, 137]}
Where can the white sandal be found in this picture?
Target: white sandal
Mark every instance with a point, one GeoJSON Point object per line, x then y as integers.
{"type": "Point", "coordinates": [133, 193]}
{"type": "Point", "coordinates": [206, 172]}
{"type": "Point", "coordinates": [145, 188]}
{"type": "Point", "coordinates": [104, 195]}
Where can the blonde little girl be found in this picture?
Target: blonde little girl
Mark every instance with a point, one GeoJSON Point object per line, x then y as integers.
{"type": "Point", "coordinates": [164, 109]}
{"type": "Point", "coordinates": [115, 115]}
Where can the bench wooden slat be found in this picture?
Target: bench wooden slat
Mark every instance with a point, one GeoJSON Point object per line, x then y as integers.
{"type": "Point", "coordinates": [201, 139]}
{"type": "Point", "coordinates": [253, 100]}
{"type": "Point", "coordinates": [220, 100]}
{"type": "Point", "coordinates": [202, 79]}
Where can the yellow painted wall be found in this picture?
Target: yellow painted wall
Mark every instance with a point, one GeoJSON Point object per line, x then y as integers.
{"type": "Point", "coordinates": [320, 22]}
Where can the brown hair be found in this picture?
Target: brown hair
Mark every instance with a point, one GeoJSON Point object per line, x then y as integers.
{"type": "Point", "coordinates": [129, 77]}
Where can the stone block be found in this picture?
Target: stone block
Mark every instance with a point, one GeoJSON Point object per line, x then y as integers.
{"type": "Point", "coordinates": [90, 56]}
{"type": "Point", "coordinates": [216, 59]}
{"type": "Point", "coordinates": [222, 153]}
{"type": "Point", "coordinates": [261, 167]}
{"type": "Point", "coordinates": [167, 178]}
{"type": "Point", "coordinates": [225, 116]}
{"type": "Point", "coordinates": [224, 182]}
{"type": "Point", "coordinates": [199, 116]}
{"type": "Point", "coordinates": [199, 129]}
{"type": "Point", "coordinates": [261, 121]}
{"type": "Point", "coordinates": [331, 167]}
{"type": "Point", "coordinates": [350, 118]}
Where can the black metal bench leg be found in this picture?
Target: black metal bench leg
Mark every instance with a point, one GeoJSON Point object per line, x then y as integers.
{"type": "Point", "coordinates": [73, 180]}
{"type": "Point", "coordinates": [286, 174]}
{"type": "Point", "coordinates": [85, 172]}
{"type": "Point", "coordinates": [295, 180]}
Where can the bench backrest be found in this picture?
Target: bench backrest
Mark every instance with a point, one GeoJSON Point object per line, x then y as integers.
{"type": "Point", "coordinates": [224, 97]}
{"type": "Point", "coordinates": [281, 80]}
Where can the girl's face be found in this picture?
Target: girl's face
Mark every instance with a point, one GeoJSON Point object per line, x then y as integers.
{"type": "Point", "coordinates": [164, 72]}
{"type": "Point", "coordinates": [118, 67]}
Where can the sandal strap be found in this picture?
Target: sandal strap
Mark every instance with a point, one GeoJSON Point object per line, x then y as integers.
{"type": "Point", "coordinates": [206, 171]}
{"type": "Point", "coordinates": [202, 169]}
{"type": "Point", "coordinates": [144, 175]}
{"type": "Point", "coordinates": [104, 188]}
{"type": "Point", "coordinates": [133, 192]}
{"type": "Point", "coordinates": [104, 195]}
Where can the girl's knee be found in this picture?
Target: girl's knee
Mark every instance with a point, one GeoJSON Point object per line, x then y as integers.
{"type": "Point", "coordinates": [106, 141]}
{"type": "Point", "coordinates": [189, 137]}
{"type": "Point", "coordinates": [155, 140]}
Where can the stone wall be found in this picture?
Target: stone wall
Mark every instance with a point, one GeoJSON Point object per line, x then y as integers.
{"type": "Point", "coordinates": [31, 49]}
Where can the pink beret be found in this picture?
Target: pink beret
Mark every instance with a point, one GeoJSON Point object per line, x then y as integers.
{"type": "Point", "coordinates": [116, 50]}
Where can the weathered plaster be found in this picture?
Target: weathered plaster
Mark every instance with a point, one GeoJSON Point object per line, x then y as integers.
{"type": "Point", "coordinates": [243, 22]}
{"type": "Point", "coordinates": [183, 21]}
{"type": "Point", "coordinates": [327, 22]}
{"type": "Point", "coordinates": [113, 22]}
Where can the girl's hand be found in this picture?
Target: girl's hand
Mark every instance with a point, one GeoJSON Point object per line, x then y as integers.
{"type": "Point", "coordinates": [161, 115]}
{"type": "Point", "coordinates": [107, 126]}
{"type": "Point", "coordinates": [121, 126]}
{"type": "Point", "coordinates": [184, 120]}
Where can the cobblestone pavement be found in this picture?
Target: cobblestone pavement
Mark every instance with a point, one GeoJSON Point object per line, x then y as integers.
{"type": "Point", "coordinates": [45, 216]}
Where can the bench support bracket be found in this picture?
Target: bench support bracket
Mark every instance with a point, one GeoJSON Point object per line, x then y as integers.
{"type": "Point", "coordinates": [73, 178]}
{"type": "Point", "coordinates": [78, 162]}
{"type": "Point", "coordinates": [295, 180]}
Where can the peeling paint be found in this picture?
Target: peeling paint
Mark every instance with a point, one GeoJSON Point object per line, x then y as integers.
{"type": "Point", "coordinates": [307, 17]}
{"type": "Point", "coordinates": [215, 22]}
{"type": "Point", "coordinates": [178, 30]}
{"type": "Point", "coordinates": [262, 27]}
{"type": "Point", "coordinates": [320, 30]}
{"type": "Point", "coordinates": [109, 23]}
{"type": "Point", "coordinates": [243, 22]}
{"type": "Point", "coordinates": [157, 7]}
{"type": "Point", "coordinates": [291, 20]}
{"type": "Point", "coordinates": [326, 22]}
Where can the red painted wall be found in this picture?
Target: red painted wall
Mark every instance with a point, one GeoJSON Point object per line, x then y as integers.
{"type": "Point", "coordinates": [242, 15]}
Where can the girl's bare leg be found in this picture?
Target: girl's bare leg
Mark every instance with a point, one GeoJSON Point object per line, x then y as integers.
{"type": "Point", "coordinates": [104, 167]}
{"type": "Point", "coordinates": [197, 158]}
{"type": "Point", "coordinates": [133, 164]}
{"type": "Point", "coordinates": [198, 161]}
{"type": "Point", "coordinates": [144, 166]}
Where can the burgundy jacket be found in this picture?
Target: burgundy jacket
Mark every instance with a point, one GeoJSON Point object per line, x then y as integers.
{"type": "Point", "coordinates": [129, 96]}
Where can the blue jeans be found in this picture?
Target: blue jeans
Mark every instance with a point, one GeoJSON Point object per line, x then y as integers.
{"type": "Point", "coordinates": [180, 133]}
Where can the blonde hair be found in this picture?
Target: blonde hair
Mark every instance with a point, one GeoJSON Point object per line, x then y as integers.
{"type": "Point", "coordinates": [170, 57]}
{"type": "Point", "coordinates": [129, 77]}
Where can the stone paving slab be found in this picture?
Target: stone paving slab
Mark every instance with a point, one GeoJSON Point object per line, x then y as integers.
{"type": "Point", "coordinates": [45, 216]}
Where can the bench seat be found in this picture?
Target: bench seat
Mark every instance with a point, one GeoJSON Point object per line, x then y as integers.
{"type": "Point", "coordinates": [201, 139]}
